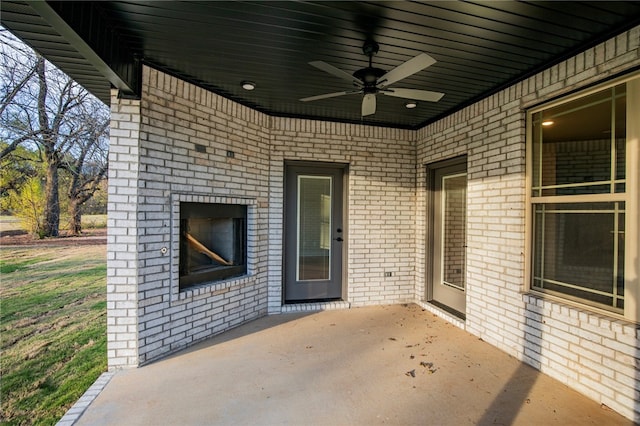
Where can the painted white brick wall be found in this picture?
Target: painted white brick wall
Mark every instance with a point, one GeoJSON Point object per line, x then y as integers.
{"type": "Point", "coordinates": [122, 231]}
{"type": "Point", "coordinates": [577, 347]}
{"type": "Point", "coordinates": [175, 117]}
{"type": "Point", "coordinates": [380, 207]}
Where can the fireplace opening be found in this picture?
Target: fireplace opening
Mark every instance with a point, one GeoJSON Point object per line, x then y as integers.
{"type": "Point", "coordinates": [213, 242]}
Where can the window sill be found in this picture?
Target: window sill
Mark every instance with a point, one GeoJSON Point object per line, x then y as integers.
{"type": "Point", "coordinates": [571, 308]}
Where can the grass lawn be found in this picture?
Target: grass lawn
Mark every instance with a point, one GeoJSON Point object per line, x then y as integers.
{"type": "Point", "coordinates": [52, 328]}
{"type": "Point", "coordinates": [94, 221]}
{"type": "Point", "coordinates": [12, 223]}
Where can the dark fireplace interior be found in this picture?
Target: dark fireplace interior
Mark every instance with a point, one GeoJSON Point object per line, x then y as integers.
{"type": "Point", "coordinates": [213, 242]}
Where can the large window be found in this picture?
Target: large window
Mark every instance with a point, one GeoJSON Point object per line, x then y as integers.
{"type": "Point", "coordinates": [579, 152]}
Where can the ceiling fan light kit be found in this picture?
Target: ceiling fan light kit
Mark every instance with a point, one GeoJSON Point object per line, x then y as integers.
{"type": "Point", "coordinates": [371, 81]}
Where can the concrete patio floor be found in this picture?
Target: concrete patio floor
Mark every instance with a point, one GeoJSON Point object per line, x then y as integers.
{"type": "Point", "coordinates": [364, 366]}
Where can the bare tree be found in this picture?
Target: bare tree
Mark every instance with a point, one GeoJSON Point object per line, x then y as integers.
{"type": "Point", "coordinates": [88, 165]}
{"type": "Point", "coordinates": [18, 74]}
{"type": "Point", "coordinates": [42, 107]}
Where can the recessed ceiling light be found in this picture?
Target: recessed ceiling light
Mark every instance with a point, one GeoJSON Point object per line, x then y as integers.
{"type": "Point", "coordinates": [410, 104]}
{"type": "Point", "coordinates": [547, 123]}
{"type": "Point", "coordinates": [248, 85]}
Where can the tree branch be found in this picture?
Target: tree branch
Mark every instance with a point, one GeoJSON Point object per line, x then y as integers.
{"type": "Point", "coordinates": [16, 142]}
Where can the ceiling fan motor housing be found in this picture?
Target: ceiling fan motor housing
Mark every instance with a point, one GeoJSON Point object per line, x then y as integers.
{"type": "Point", "coordinates": [369, 76]}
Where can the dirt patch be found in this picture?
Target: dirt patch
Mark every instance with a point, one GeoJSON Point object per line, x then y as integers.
{"type": "Point", "coordinates": [14, 237]}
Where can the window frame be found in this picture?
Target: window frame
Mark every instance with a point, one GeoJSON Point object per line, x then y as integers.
{"type": "Point", "coordinates": [631, 198]}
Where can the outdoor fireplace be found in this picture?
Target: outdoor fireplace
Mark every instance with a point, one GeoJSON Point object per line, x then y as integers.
{"type": "Point", "coordinates": [213, 242]}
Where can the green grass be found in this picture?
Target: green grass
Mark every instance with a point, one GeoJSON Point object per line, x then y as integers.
{"type": "Point", "coordinates": [53, 330]}
{"type": "Point", "coordinates": [17, 265]}
{"type": "Point", "coordinates": [94, 221]}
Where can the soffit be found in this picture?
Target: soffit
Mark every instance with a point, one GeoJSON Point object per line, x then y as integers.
{"type": "Point", "coordinates": [480, 47]}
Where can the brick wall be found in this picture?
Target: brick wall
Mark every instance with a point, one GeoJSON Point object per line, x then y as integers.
{"type": "Point", "coordinates": [122, 231]}
{"type": "Point", "coordinates": [594, 354]}
{"type": "Point", "coordinates": [180, 155]}
{"type": "Point", "coordinates": [380, 207]}
{"type": "Point", "coordinates": [568, 343]}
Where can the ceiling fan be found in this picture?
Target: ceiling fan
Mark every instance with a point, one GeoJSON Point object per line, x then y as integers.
{"type": "Point", "coordinates": [370, 81]}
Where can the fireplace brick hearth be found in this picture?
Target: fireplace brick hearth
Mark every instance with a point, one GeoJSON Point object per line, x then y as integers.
{"type": "Point", "coordinates": [157, 161]}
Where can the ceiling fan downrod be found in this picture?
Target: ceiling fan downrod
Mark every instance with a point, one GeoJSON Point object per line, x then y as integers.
{"type": "Point", "coordinates": [369, 76]}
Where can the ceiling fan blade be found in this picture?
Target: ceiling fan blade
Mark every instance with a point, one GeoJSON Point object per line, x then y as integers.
{"type": "Point", "coordinates": [406, 69]}
{"type": "Point", "coordinates": [328, 95]}
{"type": "Point", "coordinates": [369, 104]}
{"type": "Point", "coordinates": [418, 95]}
{"type": "Point", "coordinates": [335, 71]}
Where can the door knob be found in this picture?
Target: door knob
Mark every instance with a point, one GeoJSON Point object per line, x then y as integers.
{"type": "Point", "coordinates": [339, 239]}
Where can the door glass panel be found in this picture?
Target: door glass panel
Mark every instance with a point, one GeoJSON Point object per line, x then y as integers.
{"type": "Point", "coordinates": [454, 193]}
{"type": "Point", "coordinates": [314, 228]}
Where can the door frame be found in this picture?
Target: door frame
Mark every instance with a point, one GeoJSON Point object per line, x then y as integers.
{"type": "Point", "coordinates": [430, 231]}
{"type": "Point", "coordinates": [344, 167]}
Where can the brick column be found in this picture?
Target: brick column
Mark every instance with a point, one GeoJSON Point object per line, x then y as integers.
{"type": "Point", "coordinates": [122, 241]}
